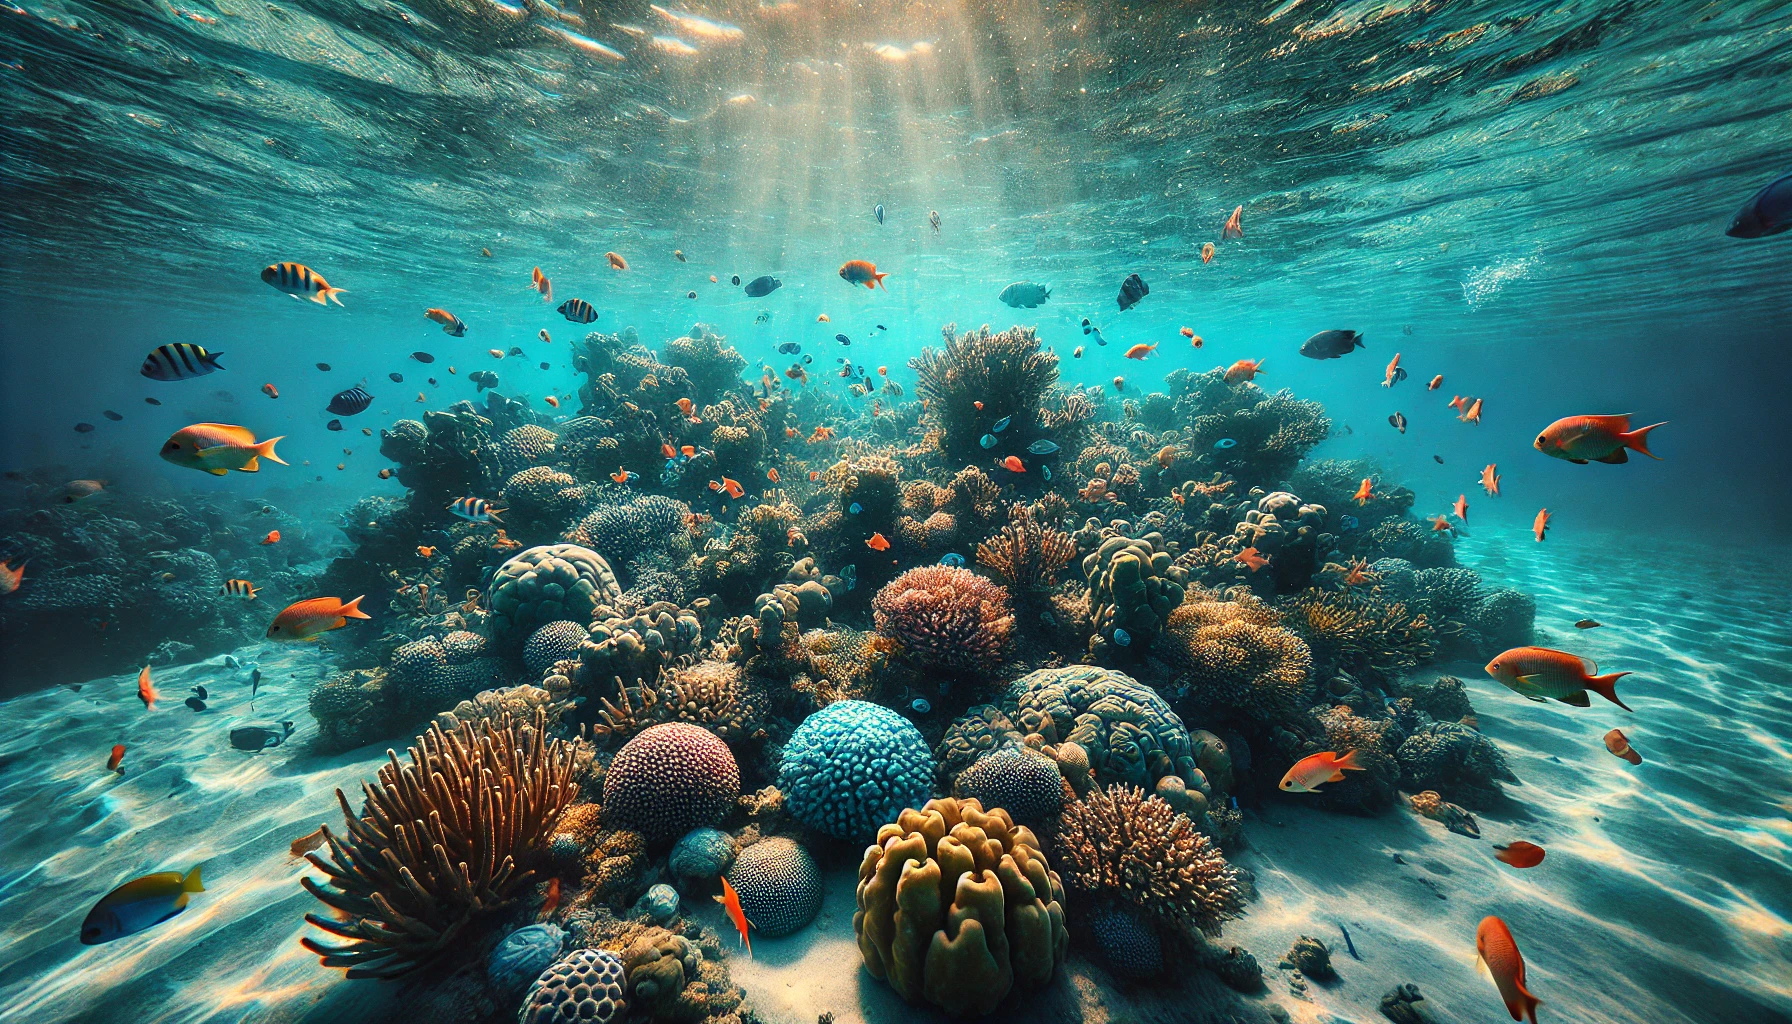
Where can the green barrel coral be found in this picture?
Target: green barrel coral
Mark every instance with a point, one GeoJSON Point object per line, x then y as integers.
{"type": "Point", "coordinates": [957, 906]}
{"type": "Point", "coordinates": [1134, 585]}
{"type": "Point", "coordinates": [547, 583]}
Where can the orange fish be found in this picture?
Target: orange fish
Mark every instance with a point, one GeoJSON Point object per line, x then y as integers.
{"type": "Point", "coordinates": [10, 577]}
{"type": "Point", "coordinates": [1459, 403]}
{"type": "Point", "coordinates": [684, 405]}
{"type": "Point", "coordinates": [689, 451]}
{"type": "Point", "coordinates": [1166, 456]}
{"type": "Point", "coordinates": [551, 901]}
{"type": "Point", "coordinates": [772, 474]}
{"type": "Point", "coordinates": [730, 901]}
{"type": "Point", "coordinates": [1497, 953]}
{"type": "Point", "coordinates": [303, 620]}
{"type": "Point", "coordinates": [1207, 252]}
{"type": "Point", "coordinates": [1243, 370]}
{"type": "Point", "coordinates": [1440, 524]}
{"type": "Point", "coordinates": [1472, 414]}
{"type": "Point", "coordinates": [1519, 854]}
{"type": "Point", "coordinates": [1364, 491]}
{"type": "Point", "coordinates": [1619, 744]}
{"type": "Point", "coordinates": [822, 318]}
{"type": "Point", "coordinates": [425, 551]}
{"type": "Point", "coordinates": [270, 390]}
{"type": "Point", "coordinates": [1314, 770]}
{"type": "Point", "coordinates": [1251, 557]}
{"type": "Point", "coordinates": [1013, 464]}
{"type": "Point", "coordinates": [1581, 439]}
{"type": "Point", "coordinates": [305, 844]}
{"type": "Point", "coordinates": [1394, 374]}
{"type": "Point", "coordinates": [878, 543]}
{"type": "Point", "coordinates": [1188, 332]}
{"type": "Point", "coordinates": [1539, 673]}
{"type": "Point", "coordinates": [668, 451]}
{"type": "Point", "coordinates": [1540, 524]}
{"type": "Point", "coordinates": [218, 448]}
{"type": "Point", "coordinates": [551, 400]}
{"type": "Point", "coordinates": [862, 272]}
{"type": "Point", "coordinates": [616, 262]}
{"type": "Point", "coordinates": [146, 689]}
{"type": "Point", "coordinates": [1436, 382]}
{"type": "Point", "coordinates": [1233, 228]}
{"type": "Point", "coordinates": [386, 474]}
{"type": "Point", "coordinates": [116, 759]}
{"type": "Point", "coordinates": [620, 476]}
{"type": "Point", "coordinates": [1196, 341]}
{"type": "Point", "coordinates": [978, 406]}
{"type": "Point", "coordinates": [822, 434]}
{"type": "Point", "coordinates": [790, 431]}
{"type": "Point", "coordinates": [732, 488]}
{"type": "Point", "coordinates": [1141, 350]}
{"type": "Point", "coordinates": [883, 371]}
{"type": "Point", "coordinates": [1490, 481]}
{"type": "Point", "coordinates": [539, 281]}
{"type": "Point", "coordinates": [1461, 507]}
{"type": "Point", "coordinates": [814, 475]}
{"type": "Point", "coordinates": [273, 537]}
{"type": "Point", "coordinates": [797, 373]}
{"type": "Point", "coordinates": [712, 279]}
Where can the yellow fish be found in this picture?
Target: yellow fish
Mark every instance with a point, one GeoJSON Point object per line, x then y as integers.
{"type": "Point", "coordinates": [218, 448]}
{"type": "Point", "coordinates": [138, 904]}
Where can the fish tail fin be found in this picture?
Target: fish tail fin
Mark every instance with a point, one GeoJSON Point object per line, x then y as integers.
{"type": "Point", "coordinates": [1348, 761]}
{"type": "Point", "coordinates": [191, 883]}
{"type": "Point", "coordinates": [1638, 439]}
{"type": "Point", "coordinates": [211, 359]}
{"type": "Point", "coordinates": [352, 610]}
{"type": "Point", "coordinates": [1527, 1003]}
{"type": "Point", "coordinates": [1606, 686]}
{"type": "Point", "coordinates": [327, 295]}
{"type": "Point", "coordinates": [265, 450]}
{"type": "Point", "coordinates": [879, 279]}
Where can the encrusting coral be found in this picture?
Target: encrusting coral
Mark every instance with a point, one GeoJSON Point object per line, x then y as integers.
{"type": "Point", "coordinates": [446, 838]}
{"type": "Point", "coordinates": [957, 906]}
{"type": "Point", "coordinates": [1120, 844]}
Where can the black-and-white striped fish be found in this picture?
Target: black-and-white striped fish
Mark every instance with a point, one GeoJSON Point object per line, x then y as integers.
{"type": "Point", "coordinates": [300, 281]}
{"type": "Point", "coordinates": [239, 588]}
{"type": "Point", "coordinates": [475, 510]}
{"type": "Point", "coordinates": [180, 361]}
{"type": "Point", "coordinates": [578, 311]}
{"type": "Point", "coordinates": [350, 402]}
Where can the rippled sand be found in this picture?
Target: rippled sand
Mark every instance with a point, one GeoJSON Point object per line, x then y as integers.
{"type": "Point", "coordinates": [1665, 897]}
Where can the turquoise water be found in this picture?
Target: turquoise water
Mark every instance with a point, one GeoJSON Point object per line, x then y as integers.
{"type": "Point", "coordinates": [1528, 199]}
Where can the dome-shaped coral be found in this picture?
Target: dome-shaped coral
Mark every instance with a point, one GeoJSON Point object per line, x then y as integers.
{"type": "Point", "coordinates": [1456, 761]}
{"type": "Point", "coordinates": [524, 446]}
{"type": "Point", "coordinates": [434, 675]}
{"type": "Point", "coordinates": [556, 641]}
{"type": "Point", "coordinates": [523, 955]}
{"type": "Point", "coordinates": [1236, 657]}
{"type": "Point", "coordinates": [670, 779]}
{"type": "Point", "coordinates": [543, 495]}
{"type": "Point", "coordinates": [551, 582]}
{"type": "Point", "coordinates": [588, 986]}
{"type": "Point", "coordinates": [852, 766]}
{"type": "Point", "coordinates": [1023, 782]}
{"type": "Point", "coordinates": [981, 730]}
{"type": "Point", "coordinates": [958, 906]}
{"type": "Point", "coordinates": [701, 854]}
{"type": "Point", "coordinates": [1127, 731]}
{"type": "Point", "coordinates": [1134, 584]}
{"type": "Point", "coordinates": [1130, 946]}
{"type": "Point", "coordinates": [778, 884]}
{"type": "Point", "coordinates": [946, 617]}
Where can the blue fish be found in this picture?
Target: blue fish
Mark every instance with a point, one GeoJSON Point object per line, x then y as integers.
{"type": "Point", "coordinates": [1224, 443]}
{"type": "Point", "coordinates": [987, 440]}
{"type": "Point", "coordinates": [1047, 472]}
{"type": "Point", "coordinates": [880, 213]}
{"type": "Point", "coordinates": [920, 705]}
{"type": "Point", "coordinates": [842, 339]}
{"type": "Point", "coordinates": [855, 508]}
{"type": "Point", "coordinates": [1043, 447]}
{"type": "Point", "coordinates": [138, 904]}
{"type": "Point", "coordinates": [1348, 522]}
{"type": "Point", "coordinates": [789, 348]}
{"type": "Point", "coordinates": [850, 574]}
{"type": "Point", "coordinates": [1099, 340]}
{"type": "Point", "coordinates": [952, 559]}
{"type": "Point", "coordinates": [1768, 212]}
{"type": "Point", "coordinates": [1122, 637]}
{"type": "Point", "coordinates": [1001, 425]}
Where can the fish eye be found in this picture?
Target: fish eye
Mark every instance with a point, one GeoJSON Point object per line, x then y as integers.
{"type": "Point", "coordinates": [1541, 438]}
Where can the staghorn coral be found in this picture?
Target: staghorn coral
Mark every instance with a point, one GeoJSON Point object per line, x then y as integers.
{"type": "Point", "coordinates": [1120, 844]}
{"type": "Point", "coordinates": [668, 780]}
{"type": "Point", "coordinates": [1027, 554]}
{"type": "Point", "coordinates": [445, 839]}
{"type": "Point", "coordinates": [853, 765]}
{"type": "Point", "coordinates": [1366, 635]}
{"type": "Point", "coordinates": [957, 906]}
{"type": "Point", "coordinates": [946, 618]}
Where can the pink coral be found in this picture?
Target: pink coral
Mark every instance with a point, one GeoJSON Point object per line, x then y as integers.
{"type": "Point", "coordinates": [945, 617]}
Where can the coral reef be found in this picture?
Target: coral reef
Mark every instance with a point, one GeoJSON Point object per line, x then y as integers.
{"type": "Point", "coordinates": [1456, 761]}
{"type": "Point", "coordinates": [1027, 554]}
{"type": "Point", "coordinates": [851, 766]}
{"type": "Point", "coordinates": [1120, 844]}
{"type": "Point", "coordinates": [979, 379]}
{"type": "Point", "coordinates": [1126, 941]}
{"type": "Point", "coordinates": [1236, 658]}
{"type": "Point", "coordinates": [669, 779]}
{"type": "Point", "coordinates": [701, 855]}
{"type": "Point", "coordinates": [957, 906]}
{"type": "Point", "coordinates": [523, 955]}
{"type": "Point", "coordinates": [1368, 636]}
{"type": "Point", "coordinates": [1025, 783]}
{"type": "Point", "coordinates": [549, 583]}
{"type": "Point", "coordinates": [1123, 731]}
{"type": "Point", "coordinates": [778, 884]}
{"type": "Point", "coordinates": [1134, 584]}
{"type": "Point", "coordinates": [946, 618]}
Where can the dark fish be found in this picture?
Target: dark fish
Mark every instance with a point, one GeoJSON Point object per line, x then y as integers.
{"type": "Point", "coordinates": [735, 280]}
{"type": "Point", "coordinates": [1331, 344]}
{"type": "Point", "coordinates": [808, 359]}
{"type": "Point", "coordinates": [348, 403]}
{"type": "Point", "coordinates": [789, 348]}
{"type": "Point", "coordinates": [578, 311]}
{"type": "Point", "coordinates": [881, 327]}
{"type": "Point", "coordinates": [690, 295]}
{"type": "Point", "coordinates": [180, 361]}
{"type": "Point", "coordinates": [200, 690]}
{"type": "Point", "coordinates": [1769, 212]}
{"type": "Point", "coordinates": [109, 414]}
{"type": "Point", "coordinates": [1439, 458]}
{"type": "Point", "coordinates": [1027, 294]}
{"type": "Point", "coordinates": [152, 401]}
{"type": "Point", "coordinates": [1132, 290]}
{"type": "Point", "coordinates": [880, 213]}
{"type": "Point", "coordinates": [83, 428]}
{"type": "Point", "coordinates": [1588, 624]}
{"type": "Point", "coordinates": [254, 682]}
{"type": "Point", "coordinates": [257, 737]}
{"type": "Point", "coordinates": [1349, 944]}
{"type": "Point", "coordinates": [842, 339]}
{"type": "Point", "coordinates": [423, 357]}
{"type": "Point", "coordinates": [396, 378]}
{"type": "Point", "coordinates": [324, 367]}
{"type": "Point", "coordinates": [195, 703]}
{"type": "Point", "coordinates": [483, 379]}
{"type": "Point", "coordinates": [516, 350]}
{"type": "Point", "coordinates": [543, 366]}
{"type": "Point", "coordinates": [333, 425]}
{"type": "Point", "coordinates": [1398, 422]}
{"type": "Point", "coordinates": [433, 384]}
{"type": "Point", "coordinates": [760, 287]}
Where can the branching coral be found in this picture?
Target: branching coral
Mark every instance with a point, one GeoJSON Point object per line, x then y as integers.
{"type": "Point", "coordinates": [1236, 656]}
{"type": "Point", "coordinates": [1027, 554]}
{"type": "Point", "coordinates": [1120, 844]}
{"type": "Point", "coordinates": [1365, 635]}
{"type": "Point", "coordinates": [979, 379]}
{"type": "Point", "coordinates": [946, 617]}
{"type": "Point", "coordinates": [443, 840]}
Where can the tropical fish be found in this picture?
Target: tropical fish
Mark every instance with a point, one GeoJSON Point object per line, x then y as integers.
{"type": "Point", "coordinates": [623, 476]}
{"type": "Point", "coordinates": [772, 474]}
{"type": "Point", "coordinates": [81, 490]}
{"type": "Point", "coordinates": [1768, 212]}
{"type": "Point", "coordinates": [1251, 557]}
{"type": "Point", "coordinates": [153, 401]}
{"type": "Point", "coordinates": [1187, 332]}
{"type": "Point", "coordinates": [1043, 447]}
{"type": "Point", "coordinates": [1441, 524]}
{"type": "Point", "coordinates": [218, 448]}
{"type": "Point", "coordinates": [1398, 421]}
{"type": "Point", "coordinates": [1497, 954]}
{"type": "Point", "coordinates": [1619, 745]}
{"type": "Point", "coordinates": [1000, 425]}
{"type": "Point", "coordinates": [1312, 771]}
{"type": "Point", "coordinates": [305, 844]}
{"type": "Point", "coordinates": [425, 551]}
{"type": "Point", "coordinates": [117, 758]}
{"type": "Point", "coordinates": [539, 282]}
{"type": "Point", "coordinates": [1244, 370]}
{"type": "Point", "coordinates": [551, 901]}
{"type": "Point", "coordinates": [451, 324]}
{"type": "Point", "coordinates": [1166, 456]}
{"type": "Point", "coordinates": [861, 272]}
{"type": "Point", "coordinates": [1364, 491]}
{"type": "Point", "coordinates": [1490, 481]}
{"type": "Point", "coordinates": [179, 361]}
{"type": "Point", "coordinates": [239, 588]}
{"type": "Point", "coordinates": [303, 620]}
{"type": "Point", "coordinates": [1141, 350]}
{"type": "Point", "coordinates": [1537, 673]}
{"type": "Point", "coordinates": [1024, 294]}
{"type": "Point", "coordinates": [878, 542]}
{"type": "Point", "coordinates": [1132, 290]}
{"type": "Point", "coordinates": [730, 901]}
{"type": "Point", "coordinates": [351, 402]}
{"type": "Point", "coordinates": [273, 537]}
{"type": "Point", "coordinates": [1519, 854]}
{"type": "Point", "coordinates": [1232, 228]}
{"type": "Point", "coordinates": [551, 400]}
{"type": "Point", "coordinates": [475, 510]}
{"type": "Point", "coordinates": [616, 261]}
{"type": "Point", "coordinates": [138, 904]}
{"type": "Point", "coordinates": [952, 560]}
{"type": "Point", "coordinates": [10, 577]}
{"type": "Point", "coordinates": [296, 279]}
{"type": "Point", "coordinates": [495, 353]}
{"type": "Point", "coordinates": [1206, 252]}
{"type": "Point", "coordinates": [1122, 638]}
{"type": "Point", "coordinates": [1459, 402]}
{"type": "Point", "coordinates": [1224, 443]}
{"type": "Point", "coordinates": [1461, 507]}
{"type": "Point", "coordinates": [425, 357]}
{"type": "Point", "coordinates": [933, 218]}
{"type": "Point", "coordinates": [578, 311]}
{"type": "Point", "coordinates": [1540, 524]}
{"type": "Point", "coordinates": [1588, 624]}
{"type": "Point", "coordinates": [395, 377]}
{"type": "Point", "coordinates": [1473, 413]}
{"type": "Point", "coordinates": [878, 212]}
{"type": "Point", "coordinates": [83, 428]}
{"type": "Point", "coordinates": [1436, 382]}
{"type": "Point", "coordinates": [259, 737]}
{"type": "Point", "coordinates": [483, 380]}
{"type": "Point", "coordinates": [1395, 372]}
{"type": "Point", "coordinates": [842, 339]}
{"type": "Point", "coordinates": [337, 424]}
{"type": "Point", "coordinates": [678, 254]}
{"type": "Point", "coordinates": [146, 689]}
{"type": "Point", "coordinates": [920, 706]}
{"type": "Point", "coordinates": [1331, 344]}
{"type": "Point", "coordinates": [1013, 464]}
{"type": "Point", "coordinates": [1580, 439]}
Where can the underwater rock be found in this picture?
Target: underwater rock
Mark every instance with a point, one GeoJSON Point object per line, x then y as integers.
{"type": "Point", "coordinates": [660, 966]}
{"type": "Point", "coordinates": [1428, 804]}
{"type": "Point", "coordinates": [1456, 761]}
{"type": "Point", "coordinates": [1310, 957]}
{"type": "Point", "coordinates": [852, 766]}
{"type": "Point", "coordinates": [1404, 1005]}
{"type": "Point", "coordinates": [668, 780]}
{"type": "Point", "coordinates": [778, 885]}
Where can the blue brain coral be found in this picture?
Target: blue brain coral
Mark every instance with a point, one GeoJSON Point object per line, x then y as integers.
{"type": "Point", "coordinates": [853, 766]}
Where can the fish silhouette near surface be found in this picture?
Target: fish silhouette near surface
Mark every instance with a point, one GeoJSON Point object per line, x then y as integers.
{"type": "Point", "coordinates": [1132, 290]}
{"type": "Point", "coordinates": [760, 287]}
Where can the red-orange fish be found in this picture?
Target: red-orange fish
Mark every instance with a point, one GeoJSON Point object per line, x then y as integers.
{"type": "Point", "coordinates": [772, 474]}
{"type": "Point", "coordinates": [1441, 524]}
{"type": "Point", "coordinates": [116, 759]}
{"type": "Point", "coordinates": [1459, 403]}
{"type": "Point", "coordinates": [621, 475]}
{"type": "Point", "coordinates": [1141, 350]}
{"type": "Point", "coordinates": [1364, 491]}
{"type": "Point", "coordinates": [273, 537]}
{"type": "Point", "coordinates": [146, 689]}
{"type": "Point", "coordinates": [1013, 464]}
{"type": "Point", "coordinates": [730, 901]}
{"type": "Point", "coordinates": [1188, 332]}
{"type": "Point", "coordinates": [1436, 382]}
{"type": "Point", "coordinates": [1619, 744]}
{"type": "Point", "coordinates": [1496, 952]}
{"type": "Point", "coordinates": [425, 551]}
{"type": "Point", "coordinates": [1472, 414]}
{"type": "Point", "coordinates": [551, 400]}
{"type": "Point", "coordinates": [1519, 854]}
{"type": "Point", "coordinates": [978, 406]}
{"type": "Point", "coordinates": [814, 475]}
{"type": "Point", "coordinates": [550, 902]}
{"type": "Point", "coordinates": [303, 620]}
{"type": "Point", "coordinates": [1314, 770]}
{"type": "Point", "coordinates": [862, 272]}
{"type": "Point", "coordinates": [1244, 370]}
{"type": "Point", "coordinates": [539, 282]}
{"type": "Point", "coordinates": [1461, 507]}
{"type": "Point", "coordinates": [1233, 228]}
{"type": "Point", "coordinates": [1490, 481]}
{"type": "Point", "coordinates": [878, 542]}
{"type": "Point", "coordinates": [1207, 252]}
{"type": "Point", "coordinates": [1583, 439]}
{"type": "Point", "coordinates": [270, 390]}
{"type": "Point", "coordinates": [684, 406]}
{"type": "Point", "coordinates": [1540, 524]}
{"type": "Point", "coordinates": [1540, 673]}
{"type": "Point", "coordinates": [616, 261]}
{"type": "Point", "coordinates": [10, 577]}
{"type": "Point", "coordinates": [689, 451]}
{"type": "Point", "coordinates": [1250, 557]}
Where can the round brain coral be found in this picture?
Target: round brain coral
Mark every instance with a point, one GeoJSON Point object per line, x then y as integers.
{"type": "Point", "coordinates": [550, 582]}
{"type": "Point", "coordinates": [556, 641]}
{"type": "Point", "coordinates": [587, 986]}
{"type": "Point", "coordinates": [851, 766]}
{"type": "Point", "coordinates": [946, 617]}
{"type": "Point", "coordinates": [670, 779]}
{"type": "Point", "coordinates": [1128, 731]}
{"type": "Point", "coordinates": [779, 887]}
